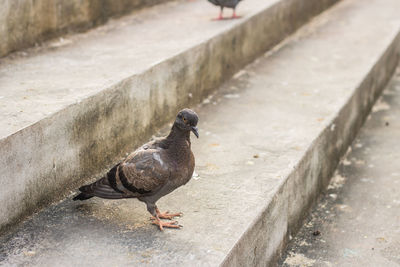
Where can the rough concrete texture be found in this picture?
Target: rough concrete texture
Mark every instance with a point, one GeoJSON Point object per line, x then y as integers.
{"type": "Point", "coordinates": [358, 217]}
{"type": "Point", "coordinates": [68, 112]}
{"type": "Point", "coordinates": [25, 22]}
{"type": "Point", "coordinates": [269, 141]}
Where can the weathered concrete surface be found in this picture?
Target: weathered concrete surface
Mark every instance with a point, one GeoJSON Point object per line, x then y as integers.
{"type": "Point", "coordinates": [358, 216]}
{"type": "Point", "coordinates": [25, 23]}
{"type": "Point", "coordinates": [270, 140]}
{"type": "Point", "coordinates": [69, 112]}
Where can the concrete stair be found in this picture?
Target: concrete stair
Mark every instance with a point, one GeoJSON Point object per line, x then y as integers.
{"type": "Point", "coordinates": [271, 135]}
{"type": "Point", "coordinates": [75, 108]}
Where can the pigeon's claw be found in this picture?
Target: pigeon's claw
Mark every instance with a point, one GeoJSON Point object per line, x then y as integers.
{"type": "Point", "coordinates": [169, 224]}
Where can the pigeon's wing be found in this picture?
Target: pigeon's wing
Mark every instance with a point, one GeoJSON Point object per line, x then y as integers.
{"type": "Point", "coordinates": [143, 172]}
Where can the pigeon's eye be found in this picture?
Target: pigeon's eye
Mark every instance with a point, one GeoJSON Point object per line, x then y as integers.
{"type": "Point", "coordinates": [184, 120]}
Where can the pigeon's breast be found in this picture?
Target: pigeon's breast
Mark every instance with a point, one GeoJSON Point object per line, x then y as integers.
{"type": "Point", "coordinates": [187, 170]}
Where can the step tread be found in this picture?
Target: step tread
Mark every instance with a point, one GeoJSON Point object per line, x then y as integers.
{"type": "Point", "coordinates": [39, 84]}
{"type": "Point", "coordinates": [275, 109]}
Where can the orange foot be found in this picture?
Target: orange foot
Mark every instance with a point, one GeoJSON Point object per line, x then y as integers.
{"type": "Point", "coordinates": [234, 16]}
{"type": "Point", "coordinates": [220, 17]}
{"type": "Point", "coordinates": [170, 224]}
{"type": "Point", "coordinates": [167, 215]}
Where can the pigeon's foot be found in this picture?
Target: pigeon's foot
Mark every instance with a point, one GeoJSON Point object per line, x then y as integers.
{"type": "Point", "coordinates": [219, 18]}
{"type": "Point", "coordinates": [234, 16]}
{"type": "Point", "coordinates": [169, 224]}
{"type": "Point", "coordinates": [167, 215]}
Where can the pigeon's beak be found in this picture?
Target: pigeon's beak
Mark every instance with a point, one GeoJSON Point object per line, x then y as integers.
{"type": "Point", "coordinates": [195, 131]}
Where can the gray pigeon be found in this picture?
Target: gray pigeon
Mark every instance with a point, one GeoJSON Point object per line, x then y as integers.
{"type": "Point", "coordinates": [152, 171]}
{"type": "Point", "coordinates": [226, 3]}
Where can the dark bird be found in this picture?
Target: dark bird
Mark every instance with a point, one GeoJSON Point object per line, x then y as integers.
{"type": "Point", "coordinates": [226, 3]}
{"type": "Point", "coordinates": [152, 171]}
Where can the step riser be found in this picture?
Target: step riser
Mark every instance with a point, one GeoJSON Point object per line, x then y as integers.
{"type": "Point", "coordinates": [26, 23]}
{"type": "Point", "coordinates": [65, 149]}
{"type": "Point", "coordinates": [269, 235]}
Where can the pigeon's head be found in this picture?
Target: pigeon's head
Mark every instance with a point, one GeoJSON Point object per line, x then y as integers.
{"type": "Point", "coordinates": [187, 120]}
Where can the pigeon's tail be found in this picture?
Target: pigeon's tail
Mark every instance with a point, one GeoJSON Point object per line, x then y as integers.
{"type": "Point", "coordinates": [82, 196]}
{"type": "Point", "coordinates": [215, 2]}
{"type": "Point", "coordinates": [101, 188]}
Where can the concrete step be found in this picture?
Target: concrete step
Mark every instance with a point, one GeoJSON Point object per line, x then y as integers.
{"type": "Point", "coordinates": [72, 109]}
{"type": "Point", "coordinates": [270, 139]}
{"type": "Point", "coordinates": [358, 217]}
{"type": "Point", "coordinates": [25, 23]}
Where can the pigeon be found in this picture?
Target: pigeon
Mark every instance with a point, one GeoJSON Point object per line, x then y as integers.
{"type": "Point", "coordinates": [152, 171]}
{"type": "Point", "coordinates": [226, 3]}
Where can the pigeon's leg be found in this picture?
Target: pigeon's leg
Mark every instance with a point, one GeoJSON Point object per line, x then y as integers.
{"type": "Point", "coordinates": [220, 17]}
{"type": "Point", "coordinates": [234, 16]}
{"type": "Point", "coordinates": [167, 215]}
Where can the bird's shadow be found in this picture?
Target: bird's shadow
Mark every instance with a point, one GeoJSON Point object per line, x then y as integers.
{"type": "Point", "coordinates": [125, 213]}
{"type": "Point", "coordinates": [226, 18]}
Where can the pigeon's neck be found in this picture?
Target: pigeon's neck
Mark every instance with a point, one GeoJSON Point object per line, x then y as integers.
{"type": "Point", "coordinates": [178, 135]}
{"type": "Point", "coordinates": [179, 145]}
